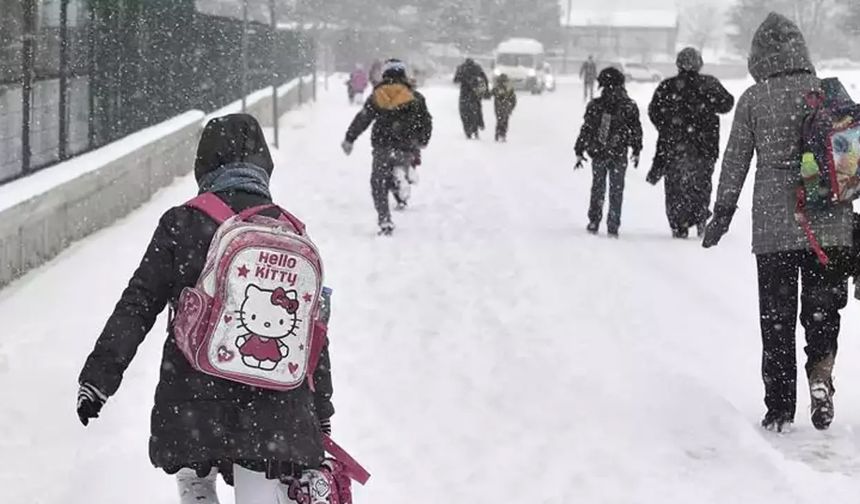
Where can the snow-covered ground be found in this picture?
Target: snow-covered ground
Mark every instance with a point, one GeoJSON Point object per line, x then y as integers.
{"type": "Point", "coordinates": [491, 351]}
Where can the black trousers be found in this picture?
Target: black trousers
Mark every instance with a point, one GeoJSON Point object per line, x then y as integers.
{"type": "Point", "coordinates": [502, 120]}
{"type": "Point", "coordinates": [823, 293]}
{"type": "Point", "coordinates": [382, 179]}
{"type": "Point", "coordinates": [587, 90]}
{"type": "Point", "coordinates": [688, 187]}
{"type": "Point", "coordinates": [615, 170]}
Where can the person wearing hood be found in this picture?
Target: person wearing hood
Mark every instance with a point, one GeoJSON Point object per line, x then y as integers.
{"type": "Point", "coordinates": [684, 110]}
{"type": "Point", "coordinates": [474, 87]}
{"type": "Point", "coordinates": [768, 122]}
{"type": "Point", "coordinates": [504, 101]}
{"type": "Point", "coordinates": [402, 126]}
{"type": "Point", "coordinates": [611, 128]}
{"type": "Point", "coordinates": [200, 423]}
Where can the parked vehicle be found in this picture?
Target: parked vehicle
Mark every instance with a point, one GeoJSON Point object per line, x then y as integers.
{"type": "Point", "coordinates": [522, 60]}
{"type": "Point", "coordinates": [638, 72]}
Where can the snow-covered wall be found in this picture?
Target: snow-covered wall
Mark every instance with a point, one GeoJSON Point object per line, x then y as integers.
{"type": "Point", "coordinates": [44, 213]}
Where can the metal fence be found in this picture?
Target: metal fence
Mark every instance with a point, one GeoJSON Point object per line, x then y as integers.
{"type": "Point", "coordinates": [77, 74]}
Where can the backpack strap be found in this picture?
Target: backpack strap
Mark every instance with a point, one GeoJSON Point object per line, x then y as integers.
{"type": "Point", "coordinates": [212, 206]}
{"type": "Point", "coordinates": [803, 219]}
{"type": "Point", "coordinates": [351, 466]}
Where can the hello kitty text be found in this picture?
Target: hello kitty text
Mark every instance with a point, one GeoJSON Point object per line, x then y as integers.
{"type": "Point", "coordinates": [273, 266]}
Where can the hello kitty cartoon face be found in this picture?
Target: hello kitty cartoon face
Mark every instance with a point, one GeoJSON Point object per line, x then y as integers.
{"type": "Point", "coordinates": [269, 314]}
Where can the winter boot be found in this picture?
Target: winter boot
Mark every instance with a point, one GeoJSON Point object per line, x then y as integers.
{"type": "Point", "coordinates": [386, 228]}
{"type": "Point", "coordinates": [680, 233]}
{"type": "Point", "coordinates": [821, 392]}
{"type": "Point", "coordinates": [612, 232]}
{"type": "Point", "coordinates": [593, 227]}
{"type": "Point", "coordinates": [777, 421]}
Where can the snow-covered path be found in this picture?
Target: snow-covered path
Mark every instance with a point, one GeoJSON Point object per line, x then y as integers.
{"type": "Point", "coordinates": [491, 351]}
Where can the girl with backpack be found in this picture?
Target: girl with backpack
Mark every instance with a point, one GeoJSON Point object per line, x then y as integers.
{"type": "Point", "coordinates": [768, 122]}
{"type": "Point", "coordinates": [254, 435]}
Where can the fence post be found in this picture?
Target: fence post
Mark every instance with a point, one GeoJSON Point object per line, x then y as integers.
{"type": "Point", "coordinates": [275, 116]}
{"type": "Point", "coordinates": [27, 61]}
{"type": "Point", "coordinates": [244, 54]}
{"type": "Point", "coordinates": [64, 80]}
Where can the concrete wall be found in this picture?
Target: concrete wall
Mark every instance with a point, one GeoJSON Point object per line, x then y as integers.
{"type": "Point", "coordinates": [44, 213]}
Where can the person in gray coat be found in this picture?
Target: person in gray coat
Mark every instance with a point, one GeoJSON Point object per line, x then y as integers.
{"type": "Point", "coordinates": [768, 122]}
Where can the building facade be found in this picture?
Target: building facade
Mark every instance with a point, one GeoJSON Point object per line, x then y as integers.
{"type": "Point", "coordinates": [634, 35]}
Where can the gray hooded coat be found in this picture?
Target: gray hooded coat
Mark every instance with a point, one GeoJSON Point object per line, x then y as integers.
{"type": "Point", "coordinates": [768, 121]}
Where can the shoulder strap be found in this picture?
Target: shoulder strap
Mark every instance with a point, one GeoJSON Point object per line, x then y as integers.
{"type": "Point", "coordinates": [353, 469]}
{"type": "Point", "coordinates": [213, 206]}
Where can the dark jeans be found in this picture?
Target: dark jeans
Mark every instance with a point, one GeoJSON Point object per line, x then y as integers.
{"type": "Point", "coordinates": [688, 186]}
{"type": "Point", "coordinates": [823, 292]}
{"type": "Point", "coordinates": [615, 170]}
{"type": "Point", "coordinates": [502, 125]}
{"type": "Point", "coordinates": [382, 179]}
{"type": "Point", "coordinates": [588, 90]}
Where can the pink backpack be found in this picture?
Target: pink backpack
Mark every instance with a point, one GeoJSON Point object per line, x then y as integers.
{"type": "Point", "coordinates": [253, 316]}
{"type": "Point", "coordinates": [330, 484]}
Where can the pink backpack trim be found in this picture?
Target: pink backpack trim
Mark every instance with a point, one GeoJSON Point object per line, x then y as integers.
{"type": "Point", "coordinates": [213, 206]}
{"type": "Point", "coordinates": [351, 466]}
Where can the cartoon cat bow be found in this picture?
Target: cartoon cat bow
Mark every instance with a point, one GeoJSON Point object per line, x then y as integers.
{"type": "Point", "coordinates": [280, 297]}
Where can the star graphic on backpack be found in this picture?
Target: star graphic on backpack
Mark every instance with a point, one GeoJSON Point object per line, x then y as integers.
{"type": "Point", "coordinates": [308, 297]}
{"type": "Point", "coordinates": [243, 271]}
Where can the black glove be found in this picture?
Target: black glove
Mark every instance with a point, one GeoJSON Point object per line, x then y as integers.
{"type": "Point", "coordinates": [90, 402]}
{"type": "Point", "coordinates": [580, 160]}
{"type": "Point", "coordinates": [718, 226]}
{"type": "Point", "coordinates": [325, 426]}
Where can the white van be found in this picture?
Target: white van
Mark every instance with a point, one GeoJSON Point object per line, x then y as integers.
{"type": "Point", "coordinates": [522, 60]}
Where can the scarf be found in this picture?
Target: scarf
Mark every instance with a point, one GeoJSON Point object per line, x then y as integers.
{"type": "Point", "coordinates": [243, 177]}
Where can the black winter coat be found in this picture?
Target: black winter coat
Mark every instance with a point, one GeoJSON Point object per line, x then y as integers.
{"type": "Point", "coordinates": [399, 116]}
{"type": "Point", "coordinates": [684, 110]}
{"type": "Point", "coordinates": [199, 421]}
{"type": "Point", "coordinates": [611, 126]}
{"type": "Point", "coordinates": [504, 99]}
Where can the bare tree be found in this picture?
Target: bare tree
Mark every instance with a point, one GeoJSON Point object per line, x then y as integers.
{"type": "Point", "coordinates": [702, 25]}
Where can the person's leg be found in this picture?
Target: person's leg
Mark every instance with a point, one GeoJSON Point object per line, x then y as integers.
{"type": "Point", "coordinates": [777, 283]}
{"type": "Point", "coordinates": [824, 292]}
{"type": "Point", "coordinates": [701, 186]}
{"type": "Point", "coordinates": [672, 187]}
{"type": "Point", "coordinates": [380, 184]}
{"type": "Point", "coordinates": [617, 172]}
{"type": "Point", "coordinates": [598, 191]}
{"type": "Point", "coordinates": [196, 490]}
{"type": "Point", "coordinates": [506, 117]}
{"type": "Point", "coordinates": [252, 487]}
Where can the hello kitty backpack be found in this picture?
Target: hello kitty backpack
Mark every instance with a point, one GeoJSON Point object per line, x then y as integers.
{"type": "Point", "coordinates": [254, 315]}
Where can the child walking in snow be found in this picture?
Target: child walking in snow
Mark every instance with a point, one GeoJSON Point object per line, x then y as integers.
{"type": "Point", "coordinates": [402, 126]}
{"type": "Point", "coordinates": [505, 101]}
{"type": "Point", "coordinates": [611, 127]}
{"type": "Point", "coordinates": [200, 423]}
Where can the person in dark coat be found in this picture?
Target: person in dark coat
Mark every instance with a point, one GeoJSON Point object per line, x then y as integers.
{"type": "Point", "coordinates": [402, 126]}
{"type": "Point", "coordinates": [474, 86]}
{"type": "Point", "coordinates": [200, 422]}
{"type": "Point", "coordinates": [611, 127]}
{"type": "Point", "coordinates": [768, 123]}
{"type": "Point", "coordinates": [588, 74]}
{"type": "Point", "coordinates": [684, 110]}
{"type": "Point", "coordinates": [505, 101]}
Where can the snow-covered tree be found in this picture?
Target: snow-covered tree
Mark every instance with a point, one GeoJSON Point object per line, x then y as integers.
{"type": "Point", "coordinates": [702, 25]}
